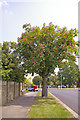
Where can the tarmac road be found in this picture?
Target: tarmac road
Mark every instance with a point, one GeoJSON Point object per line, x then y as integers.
{"type": "Point", "coordinates": [70, 97]}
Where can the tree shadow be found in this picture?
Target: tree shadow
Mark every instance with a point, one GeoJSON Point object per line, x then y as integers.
{"type": "Point", "coordinates": [25, 101]}
{"type": "Point", "coordinates": [48, 100]}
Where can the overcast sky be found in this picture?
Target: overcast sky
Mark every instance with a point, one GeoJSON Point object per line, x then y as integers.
{"type": "Point", "coordinates": [36, 12]}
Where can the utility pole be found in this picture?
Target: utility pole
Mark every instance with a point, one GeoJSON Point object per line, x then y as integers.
{"type": "Point", "coordinates": [61, 76]}
{"type": "Point", "coordinates": [61, 79]}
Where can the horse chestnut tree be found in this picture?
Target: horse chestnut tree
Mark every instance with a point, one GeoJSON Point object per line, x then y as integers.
{"type": "Point", "coordinates": [41, 50]}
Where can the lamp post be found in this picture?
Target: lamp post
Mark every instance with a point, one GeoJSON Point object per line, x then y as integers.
{"type": "Point", "coordinates": [61, 76]}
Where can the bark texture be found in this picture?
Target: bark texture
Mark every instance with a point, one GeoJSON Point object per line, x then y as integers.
{"type": "Point", "coordinates": [44, 89]}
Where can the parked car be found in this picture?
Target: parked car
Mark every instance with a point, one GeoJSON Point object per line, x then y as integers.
{"type": "Point", "coordinates": [59, 86]}
{"type": "Point", "coordinates": [32, 88]}
{"type": "Point", "coordinates": [48, 86]}
{"type": "Point", "coordinates": [35, 88]}
{"type": "Point", "coordinates": [63, 86]}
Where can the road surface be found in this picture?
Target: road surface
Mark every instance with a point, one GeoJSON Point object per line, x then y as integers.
{"type": "Point", "coordinates": [70, 97]}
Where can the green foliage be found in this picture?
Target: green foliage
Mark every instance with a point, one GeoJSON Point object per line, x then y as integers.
{"type": "Point", "coordinates": [69, 74]}
{"type": "Point", "coordinates": [28, 82]}
{"type": "Point", "coordinates": [54, 80]}
{"type": "Point", "coordinates": [48, 82]}
{"type": "Point", "coordinates": [6, 62]}
{"type": "Point", "coordinates": [37, 80]}
{"type": "Point", "coordinates": [41, 50]}
{"type": "Point", "coordinates": [11, 70]}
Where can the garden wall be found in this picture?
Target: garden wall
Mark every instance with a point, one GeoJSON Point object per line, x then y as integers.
{"type": "Point", "coordinates": [10, 91]}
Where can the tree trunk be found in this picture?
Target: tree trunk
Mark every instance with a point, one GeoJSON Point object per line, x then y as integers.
{"type": "Point", "coordinates": [44, 88]}
{"type": "Point", "coordinates": [22, 88]}
{"type": "Point", "coordinates": [19, 88]}
{"type": "Point", "coordinates": [14, 90]}
{"type": "Point", "coordinates": [7, 91]}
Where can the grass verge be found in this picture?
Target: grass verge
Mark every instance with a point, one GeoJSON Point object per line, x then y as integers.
{"type": "Point", "coordinates": [25, 91]}
{"type": "Point", "coordinates": [48, 108]}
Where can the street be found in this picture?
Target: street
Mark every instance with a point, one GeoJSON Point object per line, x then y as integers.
{"type": "Point", "coordinates": [70, 97]}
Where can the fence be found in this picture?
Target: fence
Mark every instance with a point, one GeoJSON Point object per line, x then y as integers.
{"type": "Point", "coordinates": [10, 91]}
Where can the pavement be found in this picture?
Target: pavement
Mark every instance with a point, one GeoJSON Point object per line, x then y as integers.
{"type": "Point", "coordinates": [19, 107]}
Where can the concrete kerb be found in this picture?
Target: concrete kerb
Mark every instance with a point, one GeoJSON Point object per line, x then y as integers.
{"type": "Point", "coordinates": [68, 108]}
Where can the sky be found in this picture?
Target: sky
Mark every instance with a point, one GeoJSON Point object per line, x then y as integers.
{"type": "Point", "coordinates": [15, 13]}
{"type": "Point", "coordinates": [36, 12]}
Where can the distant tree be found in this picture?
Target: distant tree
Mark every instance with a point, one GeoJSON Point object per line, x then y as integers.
{"type": "Point", "coordinates": [37, 80]}
{"type": "Point", "coordinates": [69, 74]}
{"type": "Point", "coordinates": [54, 79]}
{"type": "Point", "coordinates": [49, 81]}
{"type": "Point", "coordinates": [28, 83]}
{"type": "Point", "coordinates": [43, 49]}
{"type": "Point", "coordinates": [78, 82]}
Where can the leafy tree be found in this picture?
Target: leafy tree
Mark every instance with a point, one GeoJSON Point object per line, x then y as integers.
{"type": "Point", "coordinates": [6, 62]}
{"type": "Point", "coordinates": [37, 80]}
{"type": "Point", "coordinates": [43, 49]}
{"type": "Point", "coordinates": [78, 82]}
{"type": "Point", "coordinates": [54, 79]}
{"type": "Point", "coordinates": [48, 81]}
{"type": "Point", "coordinates": [69, 73]}
{"type": "Point", "coordinates": [18, 74]}
{"type": "Point", "coordinates": [11, 70]}
{"type": "Point", "coordinates": [28, 82]}
{"type": "Point", "coordinates": [18, 70]}
{"type": "Point", "coordinates": [58, 83]}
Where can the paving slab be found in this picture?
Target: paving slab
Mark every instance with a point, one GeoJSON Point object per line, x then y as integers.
{"type": "Point", "coordinates": [19, 107]}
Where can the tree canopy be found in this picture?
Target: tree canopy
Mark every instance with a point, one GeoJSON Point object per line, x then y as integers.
{"type": "Point", "coordinates": [28, 83]}
{"type": "Point", "coordinates": [69, 74]}
{"type": "Point", "coordinates": [37, 80]}
{"type": "Point", "coordinates": [40, 50]}
{"type": "Point", "coordinates": [54, 79]}
{"type": "Point", "coordinates": [11, 69]}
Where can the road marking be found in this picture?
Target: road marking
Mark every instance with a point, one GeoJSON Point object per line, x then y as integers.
{"type": "Point", "coordinates": [68, 108]}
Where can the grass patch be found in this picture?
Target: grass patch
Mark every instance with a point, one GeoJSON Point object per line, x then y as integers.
{"type": "Point", "coordinates": [25, 91]}
{"type": "Point", "coordinates": [47, 108]}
